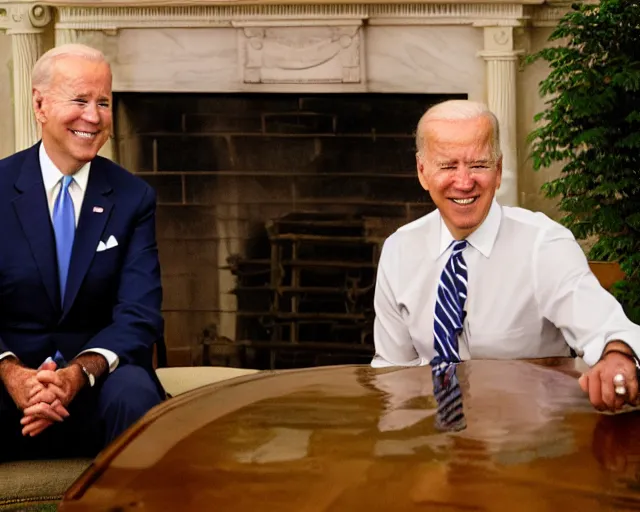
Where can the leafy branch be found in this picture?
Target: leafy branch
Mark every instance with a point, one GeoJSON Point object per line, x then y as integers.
{"type": "Point", "coordinates": [591, 125]}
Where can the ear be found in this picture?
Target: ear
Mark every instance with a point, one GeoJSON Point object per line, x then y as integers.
{"type": "Point", "coordinates": [421, 172]}
{"type": "Point", "coordinates": [37, 100]}
{"type": "Point", "coordinates": [498, 172]}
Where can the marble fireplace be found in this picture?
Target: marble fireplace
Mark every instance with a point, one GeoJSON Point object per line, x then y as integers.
{"type": "Point", "coordinates": [214, 49]}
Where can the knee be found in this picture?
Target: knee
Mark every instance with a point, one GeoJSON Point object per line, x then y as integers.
{"type": "Point", "coordinates": [129, 390]}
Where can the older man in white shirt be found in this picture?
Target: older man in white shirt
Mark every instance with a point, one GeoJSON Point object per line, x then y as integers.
{"type": "Point", "coordinates": [474, 279]}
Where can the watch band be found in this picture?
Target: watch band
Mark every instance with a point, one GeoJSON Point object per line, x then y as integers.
{"type": "Point", "coordinates": [631, 356]}
{"type": "Point", "coordinates": [91, 378]}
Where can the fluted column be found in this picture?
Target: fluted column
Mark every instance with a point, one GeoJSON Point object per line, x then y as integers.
{"type": "Point", "coordinates": [24, 22]}
{"type": "Point", "coordinates": [65, 36]}
{"type": "Point", "coordinates": [501, 67]}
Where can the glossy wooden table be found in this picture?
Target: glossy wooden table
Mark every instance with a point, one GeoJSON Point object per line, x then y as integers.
{"type": "Point", "coordinates": [356, 439]}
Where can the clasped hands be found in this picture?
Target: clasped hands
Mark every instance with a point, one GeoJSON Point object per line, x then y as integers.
{"type": "Point", "coordinates": [43, 395]}
{"type": "Point", "coordinates": [612, 382]}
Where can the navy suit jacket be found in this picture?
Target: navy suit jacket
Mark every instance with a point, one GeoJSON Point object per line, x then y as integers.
{"type": "Point", "coordinates": [113, 297]}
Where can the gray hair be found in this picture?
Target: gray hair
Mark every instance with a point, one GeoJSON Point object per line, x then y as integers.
{"type": "Point", "coordinates": [458, 110]}
{"type": "Point", "coordinates": [43, 68]}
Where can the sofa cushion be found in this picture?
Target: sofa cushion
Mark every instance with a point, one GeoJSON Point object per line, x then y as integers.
{"type": "Point", "coordinates": [38, 480]}
{"type": "Point", "coordinates": [182, 379]}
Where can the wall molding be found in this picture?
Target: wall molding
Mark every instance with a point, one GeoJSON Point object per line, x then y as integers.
{"type": "Point", "coordinates": [114, 18]}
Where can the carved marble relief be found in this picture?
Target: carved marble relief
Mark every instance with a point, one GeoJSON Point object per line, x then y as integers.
{"type": "Point", "coordinates": [313, 54]}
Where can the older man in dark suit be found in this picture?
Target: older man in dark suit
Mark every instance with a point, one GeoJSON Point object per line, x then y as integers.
{"type": "Point", "coordinates": [80, 290]}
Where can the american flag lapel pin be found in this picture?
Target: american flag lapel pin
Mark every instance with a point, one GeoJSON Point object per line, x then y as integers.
{"type": "Point", "coordinates": [98, 209]}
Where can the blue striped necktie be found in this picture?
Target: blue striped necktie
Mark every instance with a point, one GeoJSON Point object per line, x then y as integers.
{"type": "Point", "coordinates": [64, 227]}
{"type": "Point", "coordinates": [450, 299]}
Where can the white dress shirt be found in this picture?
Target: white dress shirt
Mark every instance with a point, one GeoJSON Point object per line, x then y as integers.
{"type": "Point", "coordinates": [530, 293]}
{"type": "Point", "coordinates": [52, 179]}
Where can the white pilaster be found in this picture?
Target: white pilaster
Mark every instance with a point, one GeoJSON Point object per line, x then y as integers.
{"type": "Point", "coordinates": [25, 23]}
{"type": "Point", "coordinates": [501, 67]}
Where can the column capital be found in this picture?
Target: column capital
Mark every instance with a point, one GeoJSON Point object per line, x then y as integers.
{"type": "Point", "coordinates": [499, 44]}
{"type": "Point", "coordinates": [24, 17]}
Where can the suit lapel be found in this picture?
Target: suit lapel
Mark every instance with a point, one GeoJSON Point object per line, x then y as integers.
{"type": "Point", "coordinates": [95, 212]}
{"type": "Point", "coordinates": [33, 212]}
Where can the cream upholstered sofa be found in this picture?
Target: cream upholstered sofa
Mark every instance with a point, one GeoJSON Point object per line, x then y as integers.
{"type": "Point", "coordinates": [31, 482]}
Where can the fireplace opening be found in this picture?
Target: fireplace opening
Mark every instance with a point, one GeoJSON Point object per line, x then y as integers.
{"type": "Point", "coordinates": [272, 211]}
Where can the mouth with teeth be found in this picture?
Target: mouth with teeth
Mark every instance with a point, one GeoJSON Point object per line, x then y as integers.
{"type": "Point", "coordinates": [464, 201]}
{"type": "Point", "coordinates": [84, 135]}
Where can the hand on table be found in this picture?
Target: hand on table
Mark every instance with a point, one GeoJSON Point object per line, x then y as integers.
{"type": "Point", "coordinates": [612, 382]}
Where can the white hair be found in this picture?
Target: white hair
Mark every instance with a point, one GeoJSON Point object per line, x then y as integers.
{"type": "Point", "coordinates": [43, 68]}
{"type": "Point", "coordinates": [459, 110]}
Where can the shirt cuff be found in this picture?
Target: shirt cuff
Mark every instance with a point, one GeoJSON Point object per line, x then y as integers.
{"type": "Point", "coordinates": [7, 354]}
{"type": "Point", "coordinates": [593, 351]}
{"type": "Point", "coordinates": [111, 357]}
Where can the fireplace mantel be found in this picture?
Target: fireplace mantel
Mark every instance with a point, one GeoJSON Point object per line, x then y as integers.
{"type": "Point", "coordinates": [284, 46]}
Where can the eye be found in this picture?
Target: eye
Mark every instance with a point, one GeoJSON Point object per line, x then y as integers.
{"type": "Point", "coordinates": [104, 104]}
{"type": "Point", "coordinates": [80, 101]}
{"type": "Point", "coordinates": [448, 168]}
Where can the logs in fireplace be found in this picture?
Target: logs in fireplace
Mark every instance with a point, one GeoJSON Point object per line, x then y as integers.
{"type": "Point", "coordinates": [311, 301]}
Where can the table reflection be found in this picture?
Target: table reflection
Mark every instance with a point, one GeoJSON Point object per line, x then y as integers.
{"type": "Point", "coordinates": [616, 446]}
{"type": "Point", "coordinates": [448, 395]}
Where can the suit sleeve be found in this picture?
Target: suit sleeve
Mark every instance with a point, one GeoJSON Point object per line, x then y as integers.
{"type": "Point", "coordinates": [137, 319]}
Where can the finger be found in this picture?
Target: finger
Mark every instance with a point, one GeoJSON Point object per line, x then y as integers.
{"type": "Point", "coordinates": [607, 391]}
{"type": "Point", "coordinates": [43, 410]}
{"type": "Point", "coordinates": [595, 391]}
{"type": "Point", "coordinates": [632, 390]}
{"type": "Point", "coordinates": [39, 431]}
{"type": "Point", "coordinates": [33, 425]}
{"type": "Point", "coordinates": [619, 402]}
{"type": "Point", "coordinates": [25, 420]}
{"type": "Point", "coordinates": [584, 382]}
{"type": "Point", "coordinates": [49, 394]}
{"type": "Point", "coordinates": [35, 390]}
{"type": "Point", "coordinates": [36, 427]}
{"type": "Point", "coordinates": [60, 409]}
{"type": "Point", "coordinates": [49, 377]}
{"type": "Point", "coordinates": [46, 395]}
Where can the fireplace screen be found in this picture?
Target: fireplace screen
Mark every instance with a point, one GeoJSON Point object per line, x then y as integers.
{"type": "Point", "coordinates": [272, 210]}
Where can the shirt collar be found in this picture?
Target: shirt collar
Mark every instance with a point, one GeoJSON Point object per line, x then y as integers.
{"type": "Point", "coordinates": [482, 238]}
{"type": "Point", "coordinates": [51, 174]}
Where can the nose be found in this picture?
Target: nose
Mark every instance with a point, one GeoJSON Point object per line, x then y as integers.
{"type": "Point", "coordinates": [91, 113]}
{"type": "Point", "coordinates": [463, 179]}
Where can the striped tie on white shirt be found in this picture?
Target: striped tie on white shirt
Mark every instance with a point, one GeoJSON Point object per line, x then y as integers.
{"type": "Point", "coordinates": [450, 299]}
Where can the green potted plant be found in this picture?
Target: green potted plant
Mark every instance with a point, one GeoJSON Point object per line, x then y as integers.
{"type": "Point", "coordinates": [591, 126]}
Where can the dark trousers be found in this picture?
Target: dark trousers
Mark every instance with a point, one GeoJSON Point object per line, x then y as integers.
{"type": "Point", "coordinates": [96, 417]}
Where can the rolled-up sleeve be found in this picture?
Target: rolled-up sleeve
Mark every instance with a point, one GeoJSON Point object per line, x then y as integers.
{"type": "Point", "coordinates": [570, 296]}
{"type": "Point", "coordinates": [393, 343]}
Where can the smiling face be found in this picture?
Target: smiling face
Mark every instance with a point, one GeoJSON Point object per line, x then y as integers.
{"type": "Point", "coordinates": [74, 109]}
{"type": "Point", "coordinates": [459, 169]}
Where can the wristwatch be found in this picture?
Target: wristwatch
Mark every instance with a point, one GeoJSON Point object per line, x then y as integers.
{"type": "Point", "coordinates": [632, 356]}
{"type": "Point", "coordinates": [637, 363]}
{"type": "Point", "coordinates": [91, 378]}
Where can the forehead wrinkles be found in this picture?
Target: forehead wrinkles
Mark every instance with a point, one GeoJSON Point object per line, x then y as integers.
{"type": "Point", "coordinates": [465, 140]}
{"type": "Point", "coordinates": [87, 78]}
